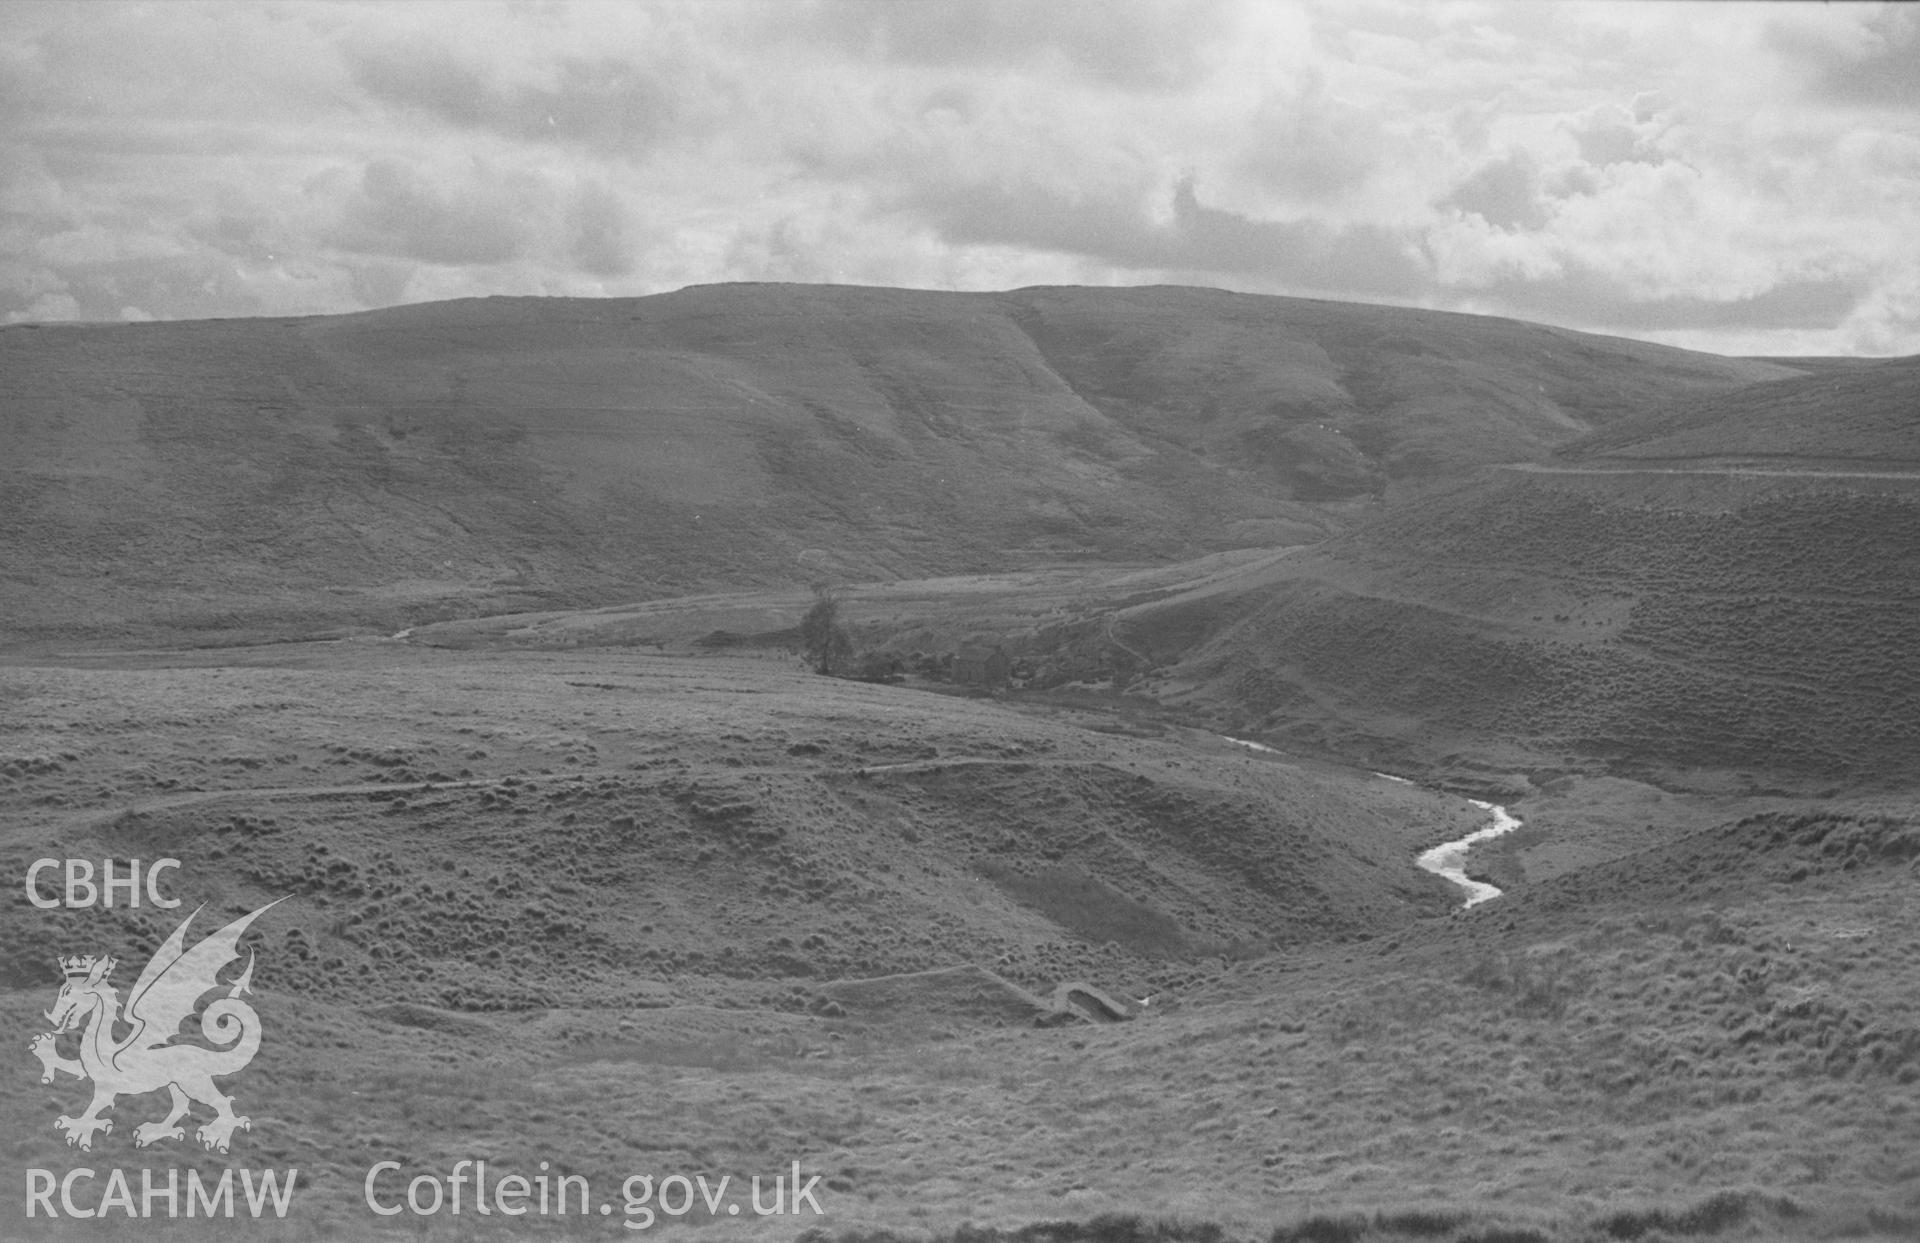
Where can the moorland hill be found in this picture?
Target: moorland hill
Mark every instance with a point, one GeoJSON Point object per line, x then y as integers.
{"type": "Point", "coordinates": [640, 912]}
{"type": "Point", "coordinates": [1857, 417]}
{"type": "Point", "coordinates": [536, 826]}
{"type": "Point", "coordinates": [274, 476]}
{"type": "Point", "coordinates": [1735, 594]}
{"type": "Point", "coordinates": [625, 888]}
{"type": "Point", "coordinates": [1719, 593]}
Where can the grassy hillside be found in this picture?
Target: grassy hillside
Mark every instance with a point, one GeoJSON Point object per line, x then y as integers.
{"type": "Point", "coordinates": [480, 817]}
{"type": "Point", "coordinates": [1642, 623]}
{"type": "Point", "coordinates": [1865, 415]}
{"type": "Point", "coordinates": [1722, 590]}
{"type": "Point", "coordinates": [636, 914]}
{"type": "Point", "coordinates": [1707, 628]}
{"type": "Point", "coordinates": [585, 870]}
{"type": "Point", "coordinates": [648, 861]}
{"type": "Point", "coordinates": [268, 477]}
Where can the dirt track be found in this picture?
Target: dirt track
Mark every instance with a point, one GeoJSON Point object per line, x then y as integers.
{"type": "Point", "coordinates": [1538, 468]}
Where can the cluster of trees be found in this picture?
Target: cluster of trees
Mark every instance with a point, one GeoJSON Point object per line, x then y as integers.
{"type": "Point", "coordinates": [829, 649]}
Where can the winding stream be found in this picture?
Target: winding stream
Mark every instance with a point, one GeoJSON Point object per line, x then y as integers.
{"type": "Point", "coordinates": [1450, 859]}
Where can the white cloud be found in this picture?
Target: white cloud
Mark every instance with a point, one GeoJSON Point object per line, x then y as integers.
{"type": "Point", "coordinates": [1723, 176]}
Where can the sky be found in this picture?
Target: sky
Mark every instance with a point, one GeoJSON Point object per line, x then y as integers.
{"type": "Point", "coordinates": [1743, 179]}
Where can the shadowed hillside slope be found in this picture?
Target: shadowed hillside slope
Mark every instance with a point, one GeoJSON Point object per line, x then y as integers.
{"type": "Point", "coordinates": [454, 459]}
{"type": "Point", "coordinates": [1864, 414]}
{"type": "Point", "coordinates": [1753, 610]}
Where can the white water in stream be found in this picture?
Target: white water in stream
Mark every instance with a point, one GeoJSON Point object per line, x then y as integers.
{"type": "Point", "coordinates": [1450, 859]}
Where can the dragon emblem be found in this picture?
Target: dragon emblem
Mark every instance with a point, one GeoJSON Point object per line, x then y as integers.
{"type": "Point", "coordinates": [147, 1058]}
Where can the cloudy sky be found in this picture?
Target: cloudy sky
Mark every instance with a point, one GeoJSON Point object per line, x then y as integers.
{"type": "Point", "coordinates": [1742, 179]}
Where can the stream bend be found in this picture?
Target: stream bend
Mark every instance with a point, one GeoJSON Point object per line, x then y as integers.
{"type": "Point", "coordinates": [1449, 859]}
